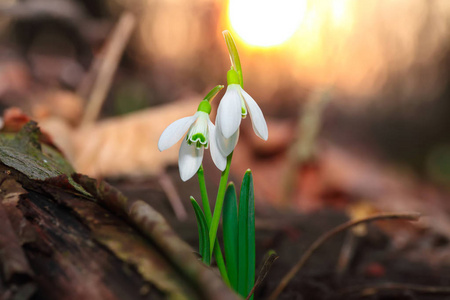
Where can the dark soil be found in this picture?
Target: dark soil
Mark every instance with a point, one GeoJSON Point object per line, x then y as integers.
{"type": "Point", "coordinates": [378, 269]}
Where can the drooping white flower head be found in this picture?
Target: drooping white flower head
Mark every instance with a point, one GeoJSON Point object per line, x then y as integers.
{"type": "Point", "coordinates": [200, 135]}
{"type": "Point", "coordinates": [232, 108]}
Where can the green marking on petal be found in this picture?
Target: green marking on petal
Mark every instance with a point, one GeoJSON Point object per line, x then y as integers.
{"type": "Point", "coordinates": [243, 107]}
{"type": "Point", "coordinates": [198, 133]}
{"type": "Point", "coordinates": [200, 145]}
{"type": "Point", "coordinates": [198, 137]}
{"type": "Point", "coordinates": [243, 112]}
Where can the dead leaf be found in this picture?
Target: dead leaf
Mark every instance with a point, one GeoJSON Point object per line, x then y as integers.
{"type": "Point", "coordinates": [59, 104]}
{"type": "Point", "coordinates": [125, 145]}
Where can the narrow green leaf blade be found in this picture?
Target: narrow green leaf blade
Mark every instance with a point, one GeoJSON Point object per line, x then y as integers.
{"type": "Point", "coordinates": [251, 263]}
{"type": "Point", "coordinates": [203, 233]}
{"type": "Point", "coordinates": [243, 234]}
{"type": "Point", "coordinates": [230, 234]}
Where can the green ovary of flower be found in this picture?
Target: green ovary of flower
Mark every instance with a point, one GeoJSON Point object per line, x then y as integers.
{"type": "Point", "coordinates": [232, 77]}
{"type": "Point", "coordinates": [204, 106]}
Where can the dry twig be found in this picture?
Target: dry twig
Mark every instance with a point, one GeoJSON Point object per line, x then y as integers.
{"type": "Point", "coordinates": [347, 252]}
{"type": "Point", "coordinates": [303, 150]}
{"type": "Point", "coordinates": [172, 195]}
{"type": "Point", "coordinates": [323, 238]}
{"type": "Point", "coordinates": [364, 291]}
{"type": "Point", "coordinates": [271, 257]}
{"type": "Point", "coordinates": [108, 66]}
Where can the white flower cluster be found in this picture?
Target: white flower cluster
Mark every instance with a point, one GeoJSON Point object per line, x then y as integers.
{"type": "Point", "coordinates": [201, 132]}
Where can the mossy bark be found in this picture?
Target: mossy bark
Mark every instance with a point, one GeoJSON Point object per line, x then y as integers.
{"type": "Point", "coordinates": [67, 236]}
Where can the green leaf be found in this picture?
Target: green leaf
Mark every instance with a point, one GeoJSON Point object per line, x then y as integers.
{"type": "Point", "coordinates": [203, 233]}
{"type": "Point", "coordinates": [230, 234]}
{"type": "Point", "coordinates": [246, 236]}
{"type": "Point", "coordinates": [251, 263]}
{"type": "Point", "coordinates": [207, 210]}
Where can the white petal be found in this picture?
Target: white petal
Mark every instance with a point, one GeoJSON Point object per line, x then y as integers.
{"type": "Point", "coordinates": [226, 146]}
{"type": "Point", "coordinates": [258, 121]}
{"type": "Point", "coordinates": [219, 160]}
{"type": "Point", "coordinates": [189, 160]}
{"type": "Point", "coordinates": [229, 111]}
{"type": "Point", "coordinates": [174, 132]}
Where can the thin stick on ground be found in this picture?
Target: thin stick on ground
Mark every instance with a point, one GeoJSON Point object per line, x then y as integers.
{"type": "Point", "coordinates": [323, 238]}
{"type": "Point", "coordinates": [271, 257]}
{"type": "Point", "coordinates": [303, 150]}
{"type": "Point", "coordinates": [173, 197]}
{"type": "Point", "coordinates": [368, 290]}
{"type": "Point", "coordinates": [346, 254]}
{"type": "Point", "coordinates": [115, 47]}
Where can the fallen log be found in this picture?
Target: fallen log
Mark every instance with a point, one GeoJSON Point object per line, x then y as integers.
{"type": "Point", "coordinates": [68, 236]}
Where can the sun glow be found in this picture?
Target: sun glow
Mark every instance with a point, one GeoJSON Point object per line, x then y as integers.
{"type": "Point", "coordinates": [266, 23]}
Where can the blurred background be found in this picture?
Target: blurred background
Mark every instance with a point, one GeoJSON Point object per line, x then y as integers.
{"type": "Point", "coordinates": [356, 95]}
{"type": "Point", "coordinates": [348, 87]}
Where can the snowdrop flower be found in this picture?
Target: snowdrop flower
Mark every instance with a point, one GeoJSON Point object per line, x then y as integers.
{"type": "Point", "coordinates": [232, 108]}
{"type": "Point", "coordinates": [200, 135]}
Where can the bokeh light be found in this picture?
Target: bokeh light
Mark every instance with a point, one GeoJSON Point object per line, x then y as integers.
{"type": "Point", "coordinates": [266, 23]}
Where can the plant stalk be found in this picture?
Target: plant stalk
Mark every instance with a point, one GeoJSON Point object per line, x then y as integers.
{"type": "Point", "coordinates": [219, 202]}
{"type": "Point", "coordinates": [207, 210]}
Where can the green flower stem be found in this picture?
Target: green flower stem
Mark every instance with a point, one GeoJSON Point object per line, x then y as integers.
{"type": "Point", "coordinates": [210, 96]}
{"type": "Point", "coordinates": [207, 211]}
{"type": "Point", "coordinates": [221, 263]}
{"type": "Point", "coordinates": [219, 202]}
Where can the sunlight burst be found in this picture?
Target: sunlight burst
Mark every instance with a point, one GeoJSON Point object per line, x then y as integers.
{"type": "Point", "coordinates": [266, 23]}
